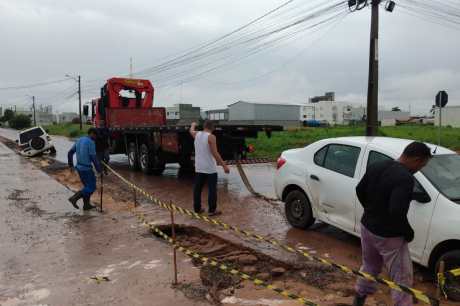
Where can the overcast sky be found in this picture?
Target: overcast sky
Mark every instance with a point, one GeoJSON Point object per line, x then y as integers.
{"type": "Point", "coordinates": [44, 40]}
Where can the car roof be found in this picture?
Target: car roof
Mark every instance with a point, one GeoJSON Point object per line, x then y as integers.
{"type": "Point", "coordinates": [393, 145]}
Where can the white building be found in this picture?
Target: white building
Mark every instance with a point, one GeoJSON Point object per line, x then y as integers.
{"type": "Point", "coordinates": [332, 112]}
{"type": "Point", "coordinates": [450, 116]}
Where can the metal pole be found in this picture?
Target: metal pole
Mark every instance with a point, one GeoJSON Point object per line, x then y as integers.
{"type": "Point", "coordinates": [33, 107]}
{"type": "Point", "coordinates": [102, 187]}
{"type": "Point", "coordinates": [373, 84]}
{"type": "Point", "coordinates": [173, 232]}
{"type": "Point", "coordinates": [440, 125]}
{"type": "Point", "coordinates": [442, 267]}
{"type": "Point", "coordinates": [79, 102]}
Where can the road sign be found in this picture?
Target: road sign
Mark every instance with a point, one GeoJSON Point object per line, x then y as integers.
{"type": "Point", "coordinates": [442, 98]}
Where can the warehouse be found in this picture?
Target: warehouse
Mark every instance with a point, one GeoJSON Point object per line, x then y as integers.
{"type": "Point", "coordinates": [450, 116]}
{"type": "Point", "coordinates": [286, 115]}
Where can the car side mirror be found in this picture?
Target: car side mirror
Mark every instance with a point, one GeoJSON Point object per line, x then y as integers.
{"type": "Point", "coordinates": [421, 197]}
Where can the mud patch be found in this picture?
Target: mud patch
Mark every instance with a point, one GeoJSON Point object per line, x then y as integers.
{"type": "Point", "coordinates": [16, 195]}
{"type": "Point", "coordinates": [220, 284]}
{"type": "Point", "coordinates": [195, 291]}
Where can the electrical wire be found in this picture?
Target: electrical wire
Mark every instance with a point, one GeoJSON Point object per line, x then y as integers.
{"type": "Point", "coordinates": [34, 84]}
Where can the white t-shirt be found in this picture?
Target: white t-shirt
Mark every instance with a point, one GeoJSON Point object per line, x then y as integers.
{"type": "Point", "coordinates": [204, 161]}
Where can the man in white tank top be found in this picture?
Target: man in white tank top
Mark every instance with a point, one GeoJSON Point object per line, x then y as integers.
{"type": "Point", "coordinates": [206, 160]}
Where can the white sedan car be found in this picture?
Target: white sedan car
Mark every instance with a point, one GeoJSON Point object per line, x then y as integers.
{"type": "Point", "coordinates": [318, 183]}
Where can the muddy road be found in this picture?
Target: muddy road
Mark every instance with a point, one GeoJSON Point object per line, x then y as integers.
{"type": "Point", "coordinates": [243, 210]}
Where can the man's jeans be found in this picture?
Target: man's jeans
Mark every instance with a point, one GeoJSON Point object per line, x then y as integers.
{"type": "Point", "coordinates": [200, 180]}
{"type": "Point", "coordinates": [393, 253]}
{"type": "Point", "coordinates": [89, 182]}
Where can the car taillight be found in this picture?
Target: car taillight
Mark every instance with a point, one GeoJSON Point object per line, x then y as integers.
{"type": "Point", "coordinates": [280, 163]}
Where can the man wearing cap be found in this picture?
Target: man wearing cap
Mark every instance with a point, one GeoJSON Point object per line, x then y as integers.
{"type": "Point", "coordinates": [85, 150]}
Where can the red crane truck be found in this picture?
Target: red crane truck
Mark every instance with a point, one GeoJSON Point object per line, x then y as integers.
{"type": "Point", "coordinates": [134, 127]}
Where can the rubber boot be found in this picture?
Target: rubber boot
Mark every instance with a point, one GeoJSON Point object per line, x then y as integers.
{"type": "Point", "coordinates": [73, 199]}
{"type": "Point", "coordinates": [87, 204]}
{"type": "Point", "coordinates": [359, 300]}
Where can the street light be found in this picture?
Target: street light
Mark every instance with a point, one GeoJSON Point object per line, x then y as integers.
{"type": "Point", "coordinates": [78, 80]}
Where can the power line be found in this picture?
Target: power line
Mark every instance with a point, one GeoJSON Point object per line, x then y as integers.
{"type": "Point", "coordinates": [34, 84]}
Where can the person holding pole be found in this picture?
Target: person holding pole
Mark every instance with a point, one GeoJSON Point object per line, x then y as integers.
{"type": "Point", "coordinates": [206, 159]}
{"type": "Point", "coordinates": [385, 192]}
{"type": "Point", "coordinates": [85, 150]}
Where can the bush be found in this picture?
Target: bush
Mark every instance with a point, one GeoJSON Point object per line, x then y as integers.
{"type": "Point", "coordinates": [20, 122]}
{"type": "Point", "coordinates": [76, 120]}
{"type": "Point", "coordinates": [74, 133]}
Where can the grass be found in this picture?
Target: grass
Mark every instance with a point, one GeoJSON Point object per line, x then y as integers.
{"type": "Point", "coordinates": [280, 141]}
{"type": "Point", "coordinates": [71, 130]}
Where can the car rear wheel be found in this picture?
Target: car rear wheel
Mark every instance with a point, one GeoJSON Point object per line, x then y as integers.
{"type": "Point", "coordinates": [298, 210]}
{"type": "Point", "coordinates": [133, 156]}
{"type": "Point", "coordinates": [451, 261]}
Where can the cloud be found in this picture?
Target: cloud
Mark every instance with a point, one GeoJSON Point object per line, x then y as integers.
{"type": "Point", "coordinates": [46, 39]}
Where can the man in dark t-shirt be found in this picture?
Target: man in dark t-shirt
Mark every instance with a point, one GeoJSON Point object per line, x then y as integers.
{"type": "Point", "coordinates": [385, 192]}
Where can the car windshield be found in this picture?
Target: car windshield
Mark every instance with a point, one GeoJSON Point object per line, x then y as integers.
{"type": "Point", "coordinates": [25, 137]}
{"type": "Point", "coordinates": [444, 173]}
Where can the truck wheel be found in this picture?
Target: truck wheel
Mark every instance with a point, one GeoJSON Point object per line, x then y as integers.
{"type": "Point", "coordinates": [298, 210]}
{"type": "Point", "coordinates": [145, 159]}
{"type": "Point", "coordinates": [133, 157]}
{"type": "Point", "coordinates": [452, 261]}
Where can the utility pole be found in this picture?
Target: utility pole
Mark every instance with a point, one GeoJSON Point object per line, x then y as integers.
{"type": "Point", "coordinates": [373, 85]}
{"type": "Point", "coordinates": [131, 67]}
{"type": "Point", "coordinates": [79, 102]}
{"type": "Point", "coordinates": [33, 107]}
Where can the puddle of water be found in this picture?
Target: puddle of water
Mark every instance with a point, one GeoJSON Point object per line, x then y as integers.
{"type": "Point", "coordinates": [134, 264]}
{"type": "Point", "coordinates": [152, 264]}
{"type": "Point", "coordinates": [265, 302]}
{"type": "Point", "coordinates": [29, 298]}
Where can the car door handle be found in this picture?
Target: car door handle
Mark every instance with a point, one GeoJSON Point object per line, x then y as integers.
{"type": "Point", "coordinates": [314, 177]}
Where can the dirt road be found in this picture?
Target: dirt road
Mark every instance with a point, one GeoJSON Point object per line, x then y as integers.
{"type": "Point", "coordinates": [243, 210]}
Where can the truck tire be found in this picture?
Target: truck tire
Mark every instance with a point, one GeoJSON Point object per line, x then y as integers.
{"type": "Point", "coordinates": [145, 159]}
{"type": "Point", "coordinates": [133, 156]}
{"type": "Point", "coordinates": [150, 162]}
{"type": "Point", "coordinates": [298, 210]}
{"type": "Point", "coordinates": [452, 261]}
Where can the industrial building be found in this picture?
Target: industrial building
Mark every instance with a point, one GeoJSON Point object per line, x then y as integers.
{"type": "Point", "coordinates": [385, 117]}
{"type": "Point", "coordinates": [450, 116]}
{"type": "Point", "coordinates": [217, 115]}
{"type": "Point", "coordinates": [182, 114]}
{"type": "Point", "coordinates": [242, 112]}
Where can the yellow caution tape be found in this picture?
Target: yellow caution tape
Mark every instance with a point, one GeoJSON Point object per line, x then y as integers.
{"type": "Point", "coordinates": [223, 267]}
{"type": "Point", "coordinates": [419, 295]}
{"type": "Point", "coordinates": [100, 279]}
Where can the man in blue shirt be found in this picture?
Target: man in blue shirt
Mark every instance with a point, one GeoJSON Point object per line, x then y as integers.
{"type": "Point", "coordinates": [85, 149]}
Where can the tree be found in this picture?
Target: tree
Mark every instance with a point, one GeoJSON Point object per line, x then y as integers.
{"type": "Point", "coordinates": [7, 115]}
{"type": "Point", "coordinates": [20, 122]}
{"type": "Point", "coordinates": [396, 109]}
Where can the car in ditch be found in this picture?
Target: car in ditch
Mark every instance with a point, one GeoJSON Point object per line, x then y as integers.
{"type": "Point", "coordinates": [318, 182]}
{"type": "Point", "coordinates": [35, 141]}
